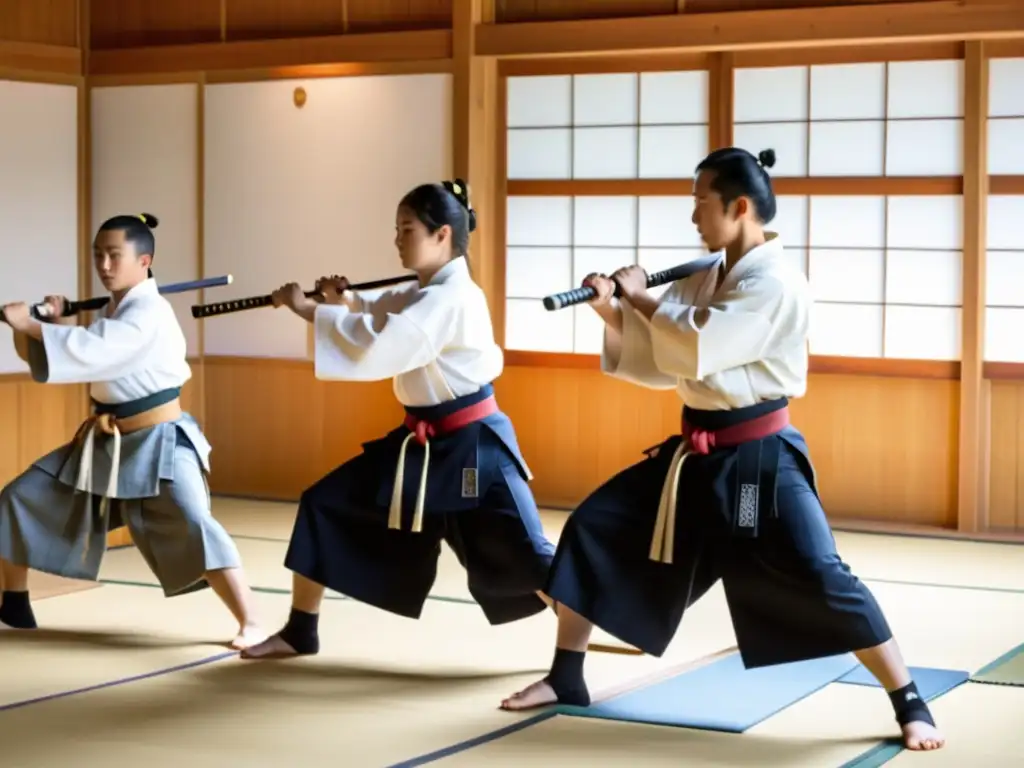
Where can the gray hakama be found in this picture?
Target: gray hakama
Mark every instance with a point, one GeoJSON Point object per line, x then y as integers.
{"type": "Point", "coordinates": [48, 524]}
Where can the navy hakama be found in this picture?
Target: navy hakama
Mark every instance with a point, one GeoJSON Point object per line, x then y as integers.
{"type": "Point", "coordinates": [476, 499]}
{"type": "Point", "coordinates": [749, 515]}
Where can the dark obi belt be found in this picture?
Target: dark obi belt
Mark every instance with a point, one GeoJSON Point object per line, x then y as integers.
{"type": "Point", "coordinates": [751, 434]}
{"type": "Point", "coordinates": [448, 445]}
{"type": "Point", "coordinates": [135, 407]}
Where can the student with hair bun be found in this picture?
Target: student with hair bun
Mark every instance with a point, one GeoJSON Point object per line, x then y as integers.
{"type": "Point", "coordinates": [733, 495]}
{"type": "Point", "coordinates": [372, 528]}
{"type": "Point", "coordinates": [139, 461]}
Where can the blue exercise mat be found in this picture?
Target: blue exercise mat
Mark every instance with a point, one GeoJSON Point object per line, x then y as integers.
{"type": "Point", "coordinates": [722, 696]}
{"type": "Point", "coordinates": [930, 682]}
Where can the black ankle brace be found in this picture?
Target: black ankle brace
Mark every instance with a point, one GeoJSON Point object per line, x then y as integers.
{"type": "Point", "coordinates": [566, 678]}
{"type": "Point", "coordinates": [301, 632]}
{"type": "Point", "coordinates": [16, 610]}
{"type": "Point", "coordinates": [909, 706]}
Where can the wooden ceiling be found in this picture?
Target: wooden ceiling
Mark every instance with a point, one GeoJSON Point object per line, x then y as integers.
{"type": "Point", "coordinates": [112, 24]}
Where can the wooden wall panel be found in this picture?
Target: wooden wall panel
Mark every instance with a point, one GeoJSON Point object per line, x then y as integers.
{"type": "Point", "coordinates": [394, 15]}
{"type": "Point", "coordinates": [271, 19]}
{"type": "Point", "coordinates": [275, 429]}
{"type": "Point", "coordinates": [117, 24]}
{"type": "Point", "coordinates": [133, 23]}
{"type": "Point", "coordinates": [38, 418]}
{"type": "Point", "coordinates": [884, 448]}
{"type": "Point", "coordinates": [1006, 482]}
{"type": "Point", "coordinates": [511, 11]}
{"type": "Point", "coordinates": [49, 22]}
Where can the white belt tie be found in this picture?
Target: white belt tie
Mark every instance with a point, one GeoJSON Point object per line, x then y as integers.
{"type": "Point", "coordinates": [395, 517]}
{"type": "Point", "coordinates": [107, 425]}
{"type": "Point", "coordinates": [663, 540]}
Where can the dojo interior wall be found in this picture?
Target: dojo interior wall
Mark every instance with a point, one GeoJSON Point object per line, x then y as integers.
{"type": "Point", "coordinates": [884, 430]}
{"type": "Point", "coordinates": [39, 228]}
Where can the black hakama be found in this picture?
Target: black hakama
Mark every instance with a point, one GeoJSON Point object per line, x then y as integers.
{"type": "Point", "coordinates": [790, 595]}
{"type": "Point", "coordinates": [477, 500]}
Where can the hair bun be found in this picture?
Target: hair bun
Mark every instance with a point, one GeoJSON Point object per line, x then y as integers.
{"type": "Point", "coordinates": [766, 158]}
{"type": "Point", "coordinates": [149, 220]}
{"type": "Point", "coordinates": [460, 189]}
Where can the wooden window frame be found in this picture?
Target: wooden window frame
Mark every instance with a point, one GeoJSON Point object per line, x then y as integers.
{"type": "Point", "coordinates": [721, 67]}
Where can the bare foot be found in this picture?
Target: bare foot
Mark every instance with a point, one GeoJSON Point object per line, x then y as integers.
{"type": "Point", "coordinates": [271, 648]}
{"type": "Point", "coordinates": [921, 736]}
{"type": "Point", "coordinates": [539, 694]}
{"type": "Point", "coordinates": [248, 636]}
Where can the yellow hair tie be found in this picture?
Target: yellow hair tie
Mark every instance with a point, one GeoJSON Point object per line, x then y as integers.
{"type": "Point", "coordinates": [142, 217]}
{"type": "Point", "coordinates": [456, 188]}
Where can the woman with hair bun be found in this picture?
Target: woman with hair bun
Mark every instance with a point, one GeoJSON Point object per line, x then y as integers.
{"type": "Point", "coordinates": [733, 496]}
{"type": "Point", "coordinates": [372, 529]}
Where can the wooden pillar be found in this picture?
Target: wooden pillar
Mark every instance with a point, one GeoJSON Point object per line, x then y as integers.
{"type": "Point", "coordinates": [720, 101]}
{"type": "Point", "coordinates": [972, 507]}
{"type": "Point", "coordinates": [475, 135]}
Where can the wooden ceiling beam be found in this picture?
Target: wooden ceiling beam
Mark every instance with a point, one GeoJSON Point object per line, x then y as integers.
{"type": "Point", "coordinates": [41, 58]}
{"type": "Point", "coordinates": [759, 30]}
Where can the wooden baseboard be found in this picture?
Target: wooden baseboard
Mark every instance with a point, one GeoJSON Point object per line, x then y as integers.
{"type": "Point", "coordinates": [854, 525]}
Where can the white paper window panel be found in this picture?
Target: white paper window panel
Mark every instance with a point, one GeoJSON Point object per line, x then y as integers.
{"type": "Point", "coordinates": [674, 97]}
{"type": "Point", "coordinates": [1003, 226]}
{"type": "Point", "coordinates": [1005, 93]}
{"type": "Point", "coordinates": [926, 89]}
{"type": "Point", "coordinates": [539, 153]}
{"type": "Point", "coordinates": [538, 221]}
{"type": "Point", "coordinates": [849, 276]}
{"type": "Point", "coordinates": [530, 327]}
{"type": "Point", "coordinates": [605, 99]}
{"type": "Point", "coordinates": [604, 221]}
{"type": "Point", "coordinates": [924, 148]}
{"type": "Point", "coordinates": [924, 277]}
{"type": "Point", "coordinates": [588, 333]}
{"type": "Point", "coordinates": [659, 259]}
{"type": "Point", "coordinates": [267, 162]}
{"type": "Point", "coordinates": [539, 101]}
{"type": "Point", "coordinates": [790, 220]}
{"type": "Point", "coordinates": [1003, 280]}
{"type": "Point", "coordinates": [848, 92]}
{"type": "Point", "coordinates": [841, 221]}
{"type": "Point", "coordinates": [846, 330]}
{"type": "Point", "coordinates": [604, 153]}
{"type": "Point", "coordinates": [38, 197]}
{"type": "Point", "coordinates": [1006, 145]}
{"type": "Point", "coordinates": [537, 272]}
{"type": "Point", "coordinates": [848, 148]}
{"type": "Point", "coordinates": [798, 258]}
{"type": "Point", "coordinates": [667, 222]}
{"type": "Point", "coordinates": [153, 128]}
{"type": "Point", "coordinates": [922, 333]}
{"type": "Point", "coordinates": [767, 94]}
{"type": "Point", "coordinates": [603, 261]}
{"type": "Point", "coordinates": [789, 140]}
{"type": "Point", "coordinates": [672, 151]}
{"type": "Point", "coordinates": [1004, 343]}
{"type": "Point", "coordinates": [925, 221]}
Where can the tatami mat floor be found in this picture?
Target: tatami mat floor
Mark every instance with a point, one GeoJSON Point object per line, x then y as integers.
{"type": "Point", "coordinates": [121, 676]}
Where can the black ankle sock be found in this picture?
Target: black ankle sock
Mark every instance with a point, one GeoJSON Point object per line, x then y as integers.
{"type": "Point", "coordinates": [301, 632]}
{"type": "Point", "coordinates": [566, 678]}
{"type": "Point", "coordinates": [909, 705]}
{"type": "Point", "coordinates": [16, 610]}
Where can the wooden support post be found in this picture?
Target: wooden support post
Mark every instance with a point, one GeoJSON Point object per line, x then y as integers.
{"type": "Point", "coordinates": [972, 507]}
{"type": "Point", "coordinates": [475, 139]}
{"type": "Point", "coordinates": [720, 101]}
